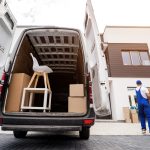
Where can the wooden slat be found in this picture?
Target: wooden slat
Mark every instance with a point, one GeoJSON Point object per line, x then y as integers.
{"type": "Point", "coordinates": [41, 108]}
{"type": "Point", "coordinates": [33, 39]}
{"type": "Point", "coordinates": [56, 53]}
{"type": "Point", "coordinates": [36, 90]}
{"type": "Point", "coordinates": [65, 60]}
{"type": "Point", "coordinates": [65, 68]}
{"type": "Point", "coordinates": [64, 71]}
{"type": "Point", "coordinates": [62, 39]}
{"type": "Point", "coordinates": [39, 40]}
{"type": "Point", "coordinates": [47, 39]}
{"type": "Point", "coordinates": [62, 65]}
{"type": "Point", "coordinates": [55, 45]}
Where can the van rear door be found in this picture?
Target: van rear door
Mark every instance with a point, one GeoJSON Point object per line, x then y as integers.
{"type": "Point", "coordinates": [97, 63]}
{"type": "Point", "coordinates": [7, 28]}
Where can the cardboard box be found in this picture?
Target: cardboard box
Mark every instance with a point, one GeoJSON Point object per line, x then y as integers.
{"type": "Point", "coordinates": [76, 90]}
{"type": "Point", "coordinates": [128, 121]}
{"type": "Point", "coordinates": [134, 116]}
{"type": "Point", "coordinates": [133, 111]}
{"type": "Point", "coordinates": [18, 82]}
{"type": "Point", "coordinates": [149, 96]}
{"type": "Point", "coordinates": [77, 104]}
{"type": "Point", "coordinates": [126, 112]}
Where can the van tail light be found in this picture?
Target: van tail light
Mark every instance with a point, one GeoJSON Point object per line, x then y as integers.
{"type": "Point", "coordinates": [88, 121]}
{"type": "Point", "coordinates": [90, 92]}
{"type": "Point", "coordinates": [2, 82]}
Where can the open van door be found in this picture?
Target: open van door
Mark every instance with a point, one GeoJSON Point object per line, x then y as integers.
{"type": "Point", "coordinates": [7, 28]}
{"type": "Point", "coordinates": [97, 64]}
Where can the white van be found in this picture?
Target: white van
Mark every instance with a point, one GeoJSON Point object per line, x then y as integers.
{"type": "Point", "coordinates": [63, 50]}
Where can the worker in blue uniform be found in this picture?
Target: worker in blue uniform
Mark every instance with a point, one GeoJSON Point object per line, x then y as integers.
{"type": "Point", "coordinates": [142, 94]}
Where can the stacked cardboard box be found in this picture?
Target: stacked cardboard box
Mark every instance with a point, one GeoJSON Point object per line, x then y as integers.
{"type": "Point", "coordinates": [130, 115]}
{"type": "Point", "coordinates": [126, 112]}
{"type": "Point", "coordinates": [18, 82]}
{"type": "Point", "coordinates": [134, 116]}
{"type": "Point", "coordinates": [76, 100]}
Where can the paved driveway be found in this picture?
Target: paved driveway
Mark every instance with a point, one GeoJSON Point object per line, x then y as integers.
{"type": "Point", "coordinates": [104, 136]}
{"type": "Point", "coordinates": [72, 142]}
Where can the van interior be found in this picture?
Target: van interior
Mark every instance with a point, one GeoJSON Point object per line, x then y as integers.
{"type": "Point", "coordinates": [62, 51]}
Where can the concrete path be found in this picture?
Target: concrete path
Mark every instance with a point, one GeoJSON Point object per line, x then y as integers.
{"type": "Point", "coordinates": [109, 128]}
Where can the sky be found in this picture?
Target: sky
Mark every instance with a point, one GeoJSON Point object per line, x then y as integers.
{"type": "Point", "coordinates": [71, 13]}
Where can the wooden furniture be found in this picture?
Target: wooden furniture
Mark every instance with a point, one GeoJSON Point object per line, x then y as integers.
{"type": "Point", "coordinates": [38, 71]}
{"type": "Point", "coordinates": [46, 91]}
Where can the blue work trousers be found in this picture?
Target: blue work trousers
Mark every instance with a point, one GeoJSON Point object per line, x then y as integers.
{"type": "Point", "coordinates": [144, 112]}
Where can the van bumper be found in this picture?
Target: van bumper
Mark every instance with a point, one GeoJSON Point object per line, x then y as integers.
{"type": "Point", "coordinates": [40, 128]}
{"type": "Point", "coordinates": [30, 123]}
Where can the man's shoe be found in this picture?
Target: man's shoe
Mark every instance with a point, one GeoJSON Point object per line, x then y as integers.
{"type": "Point", "coordinates": [143, 131]}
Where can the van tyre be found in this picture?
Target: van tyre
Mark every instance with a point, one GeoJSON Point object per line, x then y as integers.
{"type": "Point", "coordinates": [85, 133]}
{"type": "Point", "coordinates": [20, 134]}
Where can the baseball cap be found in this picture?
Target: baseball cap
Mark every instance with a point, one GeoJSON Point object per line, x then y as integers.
{"type": "Point", "coordinates": [138, 82]}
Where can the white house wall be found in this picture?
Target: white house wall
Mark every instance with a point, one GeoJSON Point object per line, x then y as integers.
{"type": "Point", "coordinates": [119, 94]}
{"type": "Point", "coordinates": [126, 34]}
{"type": "Point", "coordinates": [112, 101]}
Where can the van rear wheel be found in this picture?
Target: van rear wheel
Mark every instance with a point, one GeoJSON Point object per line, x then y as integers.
{"type": "Point", "coordinates": [20, 134]}
{"type": "Point", "coordinates": [84, 133]}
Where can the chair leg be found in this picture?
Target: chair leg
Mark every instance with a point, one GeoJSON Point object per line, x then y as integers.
{"type": "Point", "coordinates": [32, 79]}
{"type": "Point", "coordinates": [45, 100]}
{"type": "Point", "coordinates": [44, 74]}
{"type": "Point", "coordinates": [36, 81]}
{"type": "Point", "coordinates": [46, 103]}
{"type": "Point", "coordinates": [50, 93]}
{"type": "Point", "coordinates": [50, 98]}
{"type": "Point", "coordinates": [31, 99]}
{"type": "Point", "coordinates": [32, 94]}
{"type": "Point", "coordinates": [48, 82]}
{"type": "Point", "coordinates": [23, 99]}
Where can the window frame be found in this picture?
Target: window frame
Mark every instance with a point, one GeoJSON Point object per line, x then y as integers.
{"type": "Point", "coordinates": [129, 58]}
{"type": "Point", "coordinates": [132, 58]}
{"type": "Point", "coordinates": [140, 59]}
{"type": "Point", "coordinates": [147, 56]}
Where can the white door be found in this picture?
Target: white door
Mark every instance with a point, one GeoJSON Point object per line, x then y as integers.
{"type": "Point", "coordinates": [97, 63]}
{"type": "Point", "coordinates": [7, 28]}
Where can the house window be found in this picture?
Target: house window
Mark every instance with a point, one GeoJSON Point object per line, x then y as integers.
{"type": "Point", "coordinates": [144, 58]}
{"type": "Point", "coordinates": [135, 58]}
{"type": "Point", "coordinates": [126, 58]}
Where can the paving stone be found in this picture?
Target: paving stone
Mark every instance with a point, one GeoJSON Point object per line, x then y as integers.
{"type": "Point", "coordinates": [72, 142]}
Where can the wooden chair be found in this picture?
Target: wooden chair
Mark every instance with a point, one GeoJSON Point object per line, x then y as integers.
{"type": "Point", "coordinates": [38, 71]}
